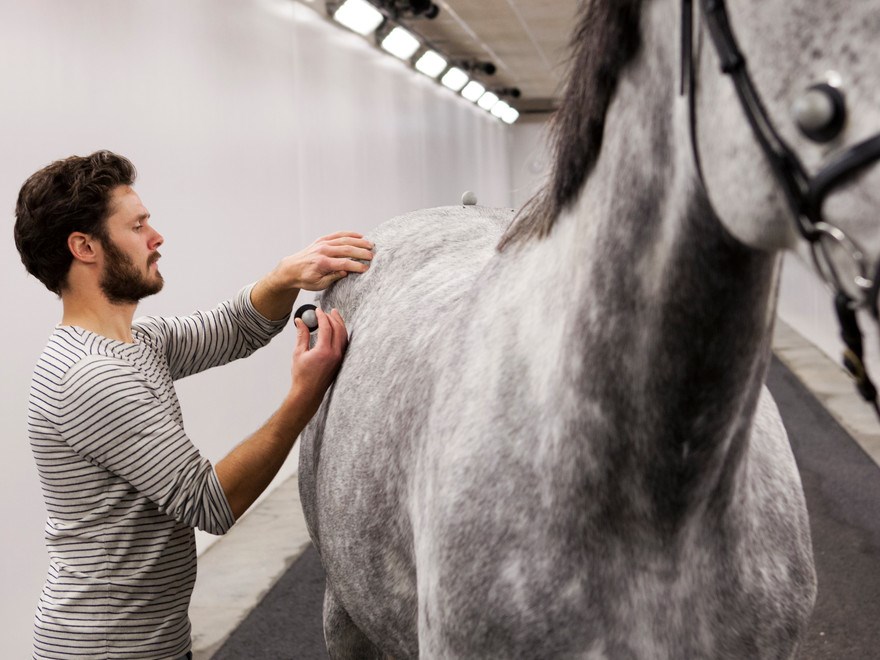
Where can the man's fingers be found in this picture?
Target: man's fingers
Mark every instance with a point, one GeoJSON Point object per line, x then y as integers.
{"type": "Point", "coordinates": [325, 330]}
{"type": "Point", "coordinates": [347, 265]}
{"type": "Point", "coordinates": [340, 234]}
{"type": "Point", "coordinates": [331, 331]}
{"type": "Point", "coordinates": [340, 333]}
{"type": "Point", "coordinates": [353, 241]}
{"type": "Point", "coordinates": [302, 336]}
{"type": "Point", "coordinates": [350, 251]}
{"type": "Point", "coordinates": [330, 278]}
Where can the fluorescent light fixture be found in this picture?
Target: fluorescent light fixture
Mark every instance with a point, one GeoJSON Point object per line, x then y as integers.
{"type": "Point", "coordinates": [510, 115]}
{"type": "Point", "coordinates": [487, 100]}
{"type": "Point", "coordinates": [499, 109]}
{"type": "Point", "coordinates": [473, 90]}
{"type": "Point", "coordinates": [454, 79]}
{"type": "Point", "coordinates": [400, 43]}
{"type": "Point", "coordinates": [359, 15]}
{"type": "Point", "coordinates": [431, 64]}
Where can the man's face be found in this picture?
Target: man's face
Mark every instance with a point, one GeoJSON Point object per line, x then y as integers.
{"type": "Point", "coordinates": [130, 271]}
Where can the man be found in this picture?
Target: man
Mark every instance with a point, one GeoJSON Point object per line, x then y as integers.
{"type": "Point", "coordinates": [123, 484]}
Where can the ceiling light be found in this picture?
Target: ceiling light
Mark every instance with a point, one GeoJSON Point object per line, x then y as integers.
{"type": "Point", "coordinates": [454, 79]}
{"type": "Point", "coordinates": [400, 43]}
{"type": "Point", "coordinates": [359, 15]}
{"type": "Point", "coordinates": [473, 90]}
{"type": "Point", "coordinates": [487, 100]}
{"type": "Point", "coordinates": [499, 109]}
{"type": "Point", "coordinates": [510, 115]}
{"type": "Point", "coordinates": [431, 64]}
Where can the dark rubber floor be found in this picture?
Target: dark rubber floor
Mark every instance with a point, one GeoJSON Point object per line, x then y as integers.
{"type": "Point", "coordinates": [843, 495]}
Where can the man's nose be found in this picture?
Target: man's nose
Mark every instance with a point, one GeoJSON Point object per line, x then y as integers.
{"type": "Point", "coordinates": [156, 240]}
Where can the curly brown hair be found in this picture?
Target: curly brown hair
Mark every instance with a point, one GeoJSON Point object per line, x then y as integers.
{"type": "Point", "coordinates": [69, 195]}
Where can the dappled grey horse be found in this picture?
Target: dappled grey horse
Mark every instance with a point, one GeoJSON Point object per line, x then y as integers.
{"type": "Point", "coordinates": [550, 436]}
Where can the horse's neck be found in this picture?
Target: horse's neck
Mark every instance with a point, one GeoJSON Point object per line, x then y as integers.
{"type": "Point", "coordinates": [672, 316]}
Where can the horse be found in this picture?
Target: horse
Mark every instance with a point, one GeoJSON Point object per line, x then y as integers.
{"type": "Point", "coordinates": [550, 436]}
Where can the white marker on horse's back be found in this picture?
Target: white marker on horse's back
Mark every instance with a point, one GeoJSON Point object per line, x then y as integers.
{"type": "Point", "coordinates": [469, 198]}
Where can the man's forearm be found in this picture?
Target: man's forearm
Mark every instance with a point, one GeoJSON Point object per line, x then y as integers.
{"type": "Point", "coordinates": [249, 468]}
{"type": "Point", "coordinates": [272, 299]}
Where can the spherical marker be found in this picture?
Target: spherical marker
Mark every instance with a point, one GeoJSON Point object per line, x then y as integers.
{"type": "Point", "coordinates": [820, 112]}
{"type": "Point", "coordinates": [813, 111]}
{"type": "Point", "coordinates": [469, 198]}
{"type": "Point", "coordinates": [308, 316]}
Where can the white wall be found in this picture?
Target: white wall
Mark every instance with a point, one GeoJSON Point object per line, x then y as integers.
{"type": "Point", "coordinates": [807, 306]}
{"type": "Point", "coordinates": [530, 162]}
{"type": "Point", "coordinates": [256, 126]}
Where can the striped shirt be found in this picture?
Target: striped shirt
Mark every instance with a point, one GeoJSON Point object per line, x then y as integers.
{"type": "Point", "coordinates": [123, 484]}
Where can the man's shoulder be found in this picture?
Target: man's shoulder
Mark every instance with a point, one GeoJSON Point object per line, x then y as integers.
{"type": "Point", "coordinates": [65, 347]}
{"type": "Point", "coordinates": [71, 365]}
{"type": "Point", "coordinates": [71, 349]}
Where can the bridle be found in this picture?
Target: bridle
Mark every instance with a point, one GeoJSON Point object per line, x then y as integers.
{"type": "Point", "coordinates": [804, 193]}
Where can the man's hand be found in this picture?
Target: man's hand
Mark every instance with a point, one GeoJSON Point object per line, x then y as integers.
{"type": "Point", "coordinates": [249, 468]}
{"type": "Point", "coordinates": [326, 260]}
{"type": "Point", "coordinates": [315, 368]}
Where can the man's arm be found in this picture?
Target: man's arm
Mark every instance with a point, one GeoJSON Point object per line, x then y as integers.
{"type": "Point", "coordinates": [238, 327]}
{"type": "Point", "coordinates": [249, 468]}
{"type": "Point", "coordinates": [319, 265]}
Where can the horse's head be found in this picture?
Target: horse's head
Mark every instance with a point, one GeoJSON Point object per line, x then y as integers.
{"type": "Point", "coordinates": [788, 134]}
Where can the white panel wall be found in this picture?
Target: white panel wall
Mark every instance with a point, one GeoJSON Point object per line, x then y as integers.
{"type": "Point", "coordinates": [256, 126]}
{"type": "Point", "coordinates": [807, 306]}
{"type": "Point", "coordinates": [530, 160]}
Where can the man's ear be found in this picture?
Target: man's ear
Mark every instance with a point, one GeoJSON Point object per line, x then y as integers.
{"type": "Point", "coordinates": [82, 247]}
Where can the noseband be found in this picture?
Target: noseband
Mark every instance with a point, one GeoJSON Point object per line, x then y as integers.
{"type": "Point", "coordinates": [805, 194]}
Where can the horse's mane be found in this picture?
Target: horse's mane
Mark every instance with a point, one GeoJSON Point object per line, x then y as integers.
{"type": "Point", "coordinates": [605, 40]}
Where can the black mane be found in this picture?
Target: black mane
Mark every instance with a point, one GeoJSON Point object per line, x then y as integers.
{"type": "Point", "coordinates": [605, 40]}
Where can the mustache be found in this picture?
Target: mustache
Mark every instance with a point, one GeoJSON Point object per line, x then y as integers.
{"type": "Point", "coordinates": [153, 259]}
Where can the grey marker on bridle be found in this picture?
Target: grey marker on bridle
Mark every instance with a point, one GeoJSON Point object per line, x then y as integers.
{"type": "Point", "coordinates": [805, 194]}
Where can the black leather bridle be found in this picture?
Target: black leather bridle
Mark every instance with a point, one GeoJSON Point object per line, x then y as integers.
{"type": "Point", "coordinates": [805, 194]}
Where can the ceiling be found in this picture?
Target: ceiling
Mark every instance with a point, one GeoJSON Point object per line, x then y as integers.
{"type": "Point", "coordinates": [526, 40]}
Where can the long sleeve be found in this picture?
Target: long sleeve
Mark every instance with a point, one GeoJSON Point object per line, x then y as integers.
{"type": "Point", "coordinates": [110, 415]}
{"type": "Point", "coordinates": [232, 330]}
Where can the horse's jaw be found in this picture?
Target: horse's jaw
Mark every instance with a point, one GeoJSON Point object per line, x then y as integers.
{"type": "Point", "coordinates": [738, 176]}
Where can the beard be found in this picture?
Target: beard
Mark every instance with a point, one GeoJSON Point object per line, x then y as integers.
{"type": "Point", "coordinates": [122, 282]}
